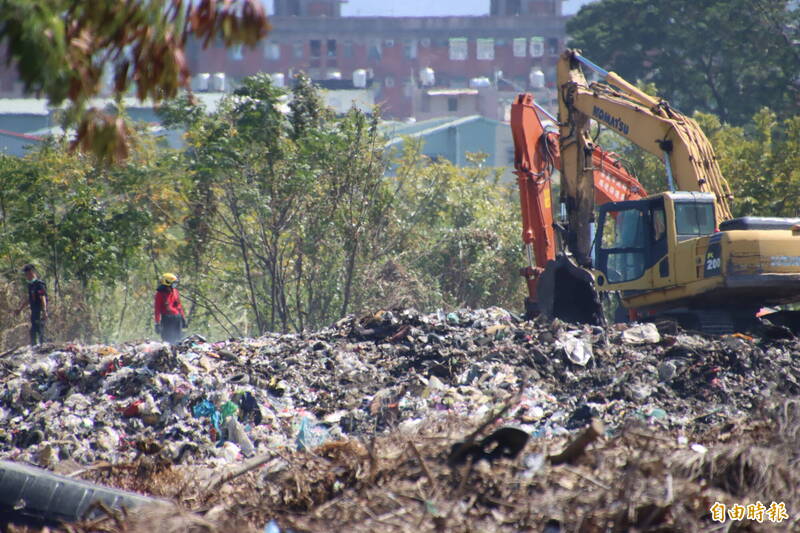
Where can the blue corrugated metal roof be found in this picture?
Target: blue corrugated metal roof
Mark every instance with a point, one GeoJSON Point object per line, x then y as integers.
{"type": "Point", "coordinates": [433, 125]}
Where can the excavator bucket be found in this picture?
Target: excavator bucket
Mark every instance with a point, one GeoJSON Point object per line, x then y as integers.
{"type": "Point", "coordinates": [567, 291]}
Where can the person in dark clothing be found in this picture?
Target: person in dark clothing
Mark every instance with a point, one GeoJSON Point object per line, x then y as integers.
{"type": "Point", "coordinates": [37, 301]}
{"type": "Point", "coordinates": [169, 315]}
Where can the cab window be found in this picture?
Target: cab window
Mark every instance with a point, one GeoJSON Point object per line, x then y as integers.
{"type": "Point", "coordinates": [659, 223]}
{"type": "Point", "coordinates": [623, 244]}
{"type": "Point", "coordinates": [694, 218]}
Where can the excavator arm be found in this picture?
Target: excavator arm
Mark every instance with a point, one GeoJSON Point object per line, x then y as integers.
{"type": "Point", "coordinates": [647, 122]}
{"type": "Point", "coordinates": [536, 156]}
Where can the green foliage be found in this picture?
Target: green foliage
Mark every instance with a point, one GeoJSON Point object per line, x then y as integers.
{"type": "Point", "coordinates": [460, 230]}
{"type": "Point", "coordinates": [86, 227]}
{"type": "Point", "coordinates": [704, 56]}
{"type": "Point", "coordinates": [63, 48]}
{"type": "Point", "coordinates": [307, 110]}
{"type": "Point", "coordinates": [297, 199]}
{"type": "Point", "coordinates": [291, 216]}
{"type": "Point", "coordinates": [53, 207]}
{"type": "Point", "coordinates": [760, 162]}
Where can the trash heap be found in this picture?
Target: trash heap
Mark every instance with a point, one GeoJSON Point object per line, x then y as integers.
{"type": "Point", "coordinates": [358, 423]}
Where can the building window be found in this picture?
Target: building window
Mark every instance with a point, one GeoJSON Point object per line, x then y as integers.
{"type": "Point", "coordinates": [537, 46]}
{"type": "Point", "coordinates": [237, 53]}
{"type": "Point", "coordinates": [519, 47]}
{"type": "Point", "coordinates": [297, 49]}
{"type": "Point", "coordinates": [452, 103]}
{"type": "Point", "coordinates": [541, 8]}
{"type": "Point", "coordinates": [347, 49]}
{"type": "Point", "coordinates": [316, 48]}
{"type": "Point", "coordinates": [389, 81]}
{"type": "Point", "coordinates": [375, 51]}
{"type": "Point", "coordinates": [410, 49]}
{"type": "Point", "coordinates": [485, 49]}
{"type": "Point", "coordinates": [458, 49]}
{"type": "Point", "coordinates": [552, 46]}
{"type": "Point", "coordinates": [272, 51]}
{"type": "Point", "coordinates": [331, 47]}
{"type": "Point", "coordinates": [293, 9]}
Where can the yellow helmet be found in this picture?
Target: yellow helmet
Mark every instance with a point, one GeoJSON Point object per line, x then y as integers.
{"type": "Point", "coordinates": [168, 279]}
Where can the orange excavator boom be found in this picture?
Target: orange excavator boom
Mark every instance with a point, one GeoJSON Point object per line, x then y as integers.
{"type": "Point", "coordinates": [536, 155]}
{"type": "Point", "coordinates": [534, 167]}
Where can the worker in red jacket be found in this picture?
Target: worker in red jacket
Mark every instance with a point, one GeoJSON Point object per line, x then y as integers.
{"type": "Point", "coordinates": [169, 314]}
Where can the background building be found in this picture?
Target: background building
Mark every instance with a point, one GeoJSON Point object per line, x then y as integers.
{"type": "Point", "coordinates": [429, 72]}
{"type": "Point", "coordinates": [407, 59]}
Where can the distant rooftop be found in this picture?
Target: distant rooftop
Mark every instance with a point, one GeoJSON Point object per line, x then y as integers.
{"type": "Point", "coordinates": [395, 130]}
{"type": "Point", "coordinates": [39, 106]}
{"type": "Point", "coordinates": [23, 136]}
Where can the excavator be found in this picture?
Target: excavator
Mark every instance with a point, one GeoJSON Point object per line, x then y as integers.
{"type": "Point", "coordinates": [677, 254]}
{"type": "Point", "coordinates": [536, 158]}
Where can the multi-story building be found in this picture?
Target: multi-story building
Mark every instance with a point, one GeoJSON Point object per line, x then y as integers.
{"type": "Point", "coordinates": [418, 66]}
{"type": "Point", "coordinates": [445, 72]}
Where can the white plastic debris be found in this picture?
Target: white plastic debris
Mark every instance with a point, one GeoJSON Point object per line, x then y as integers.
{"type": "Point", "coordinates": [577, 349]}
{"type": "Point", "coordinates": [107, 439]}
{"type": "Point", "coordinates": [641, 334]}
{"type": "Point", "coordinates": [228, 451]}
{"type": "Point", "coordinates": [238, 435]}
{"type": "Point", "coordinates": [699, 448]}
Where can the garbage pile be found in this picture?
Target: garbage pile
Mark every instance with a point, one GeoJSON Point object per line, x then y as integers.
{"type": "Point", "coordinates": [361, 423]}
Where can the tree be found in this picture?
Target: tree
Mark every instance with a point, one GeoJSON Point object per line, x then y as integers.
{"type": "Point", "coordinates": [297, 198]}
{"type": "Point", "coordinates": [293, 223]}
{"type": "Point", "coordinates": [702, 55]}
{"type": "Point", "coordinates": [457, 230]}
{"type": "Point", "coordinates": [86, 226]}
{"type": "Point", "coordinates": [64, 48]}
{"type": "Point", "coordinates": [761, 162]}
